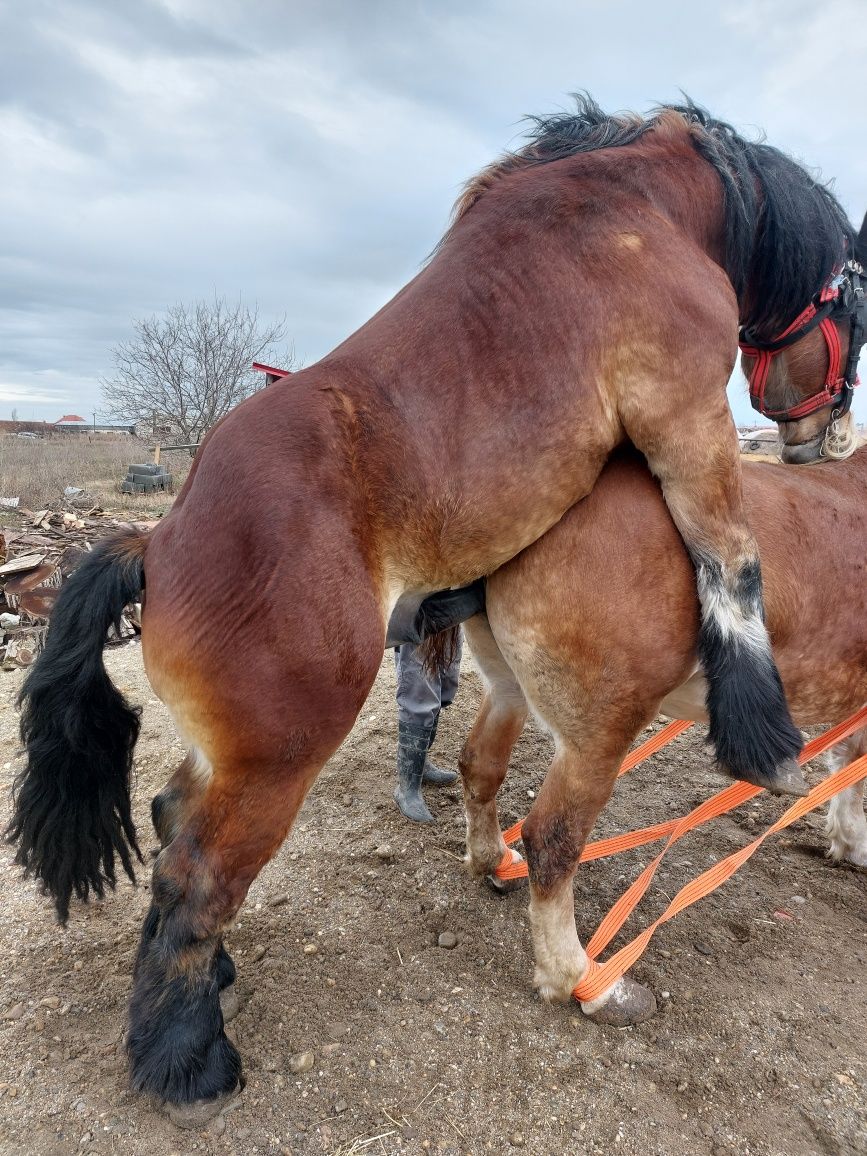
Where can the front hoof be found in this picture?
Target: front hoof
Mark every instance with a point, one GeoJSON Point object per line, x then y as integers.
{"type": "Point", "coordinates": [628, 1002]}
{"type": "Point", "coordinates": [786, 778]}
{"type": "Point", "coordinates": [230, 1004]}
{"type": "Point", "coordinates": [196, 1115]}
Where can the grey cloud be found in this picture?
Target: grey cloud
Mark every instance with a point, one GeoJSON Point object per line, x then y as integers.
{"type": "Point", "coordinates": [307, 155]}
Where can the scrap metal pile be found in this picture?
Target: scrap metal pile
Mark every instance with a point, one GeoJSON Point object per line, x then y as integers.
{"type": "Point", "coordinates": [38, 552]}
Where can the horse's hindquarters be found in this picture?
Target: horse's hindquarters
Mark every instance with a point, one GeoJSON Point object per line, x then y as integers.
{"type": "Point", "coordinates": [260, 715]}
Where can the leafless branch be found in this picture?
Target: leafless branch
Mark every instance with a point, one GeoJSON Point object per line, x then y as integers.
{"type": "Point", "coordinates": [188, 368]}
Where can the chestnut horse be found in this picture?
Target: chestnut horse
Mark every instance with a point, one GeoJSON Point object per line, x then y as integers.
{"type": "Point", "coordinates": [596, 628]}
{"type": "Point", "coordinates": [588, 292]}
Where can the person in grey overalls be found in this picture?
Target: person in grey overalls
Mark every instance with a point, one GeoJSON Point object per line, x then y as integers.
{"type": "Point", "coordinates": [420, 697]}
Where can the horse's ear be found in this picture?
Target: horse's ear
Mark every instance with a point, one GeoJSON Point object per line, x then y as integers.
{"type": "Point", "coordinates": [861, 243]}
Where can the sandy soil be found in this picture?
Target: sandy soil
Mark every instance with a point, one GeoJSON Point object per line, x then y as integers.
{"type": "Point", "coordinates": [757, 1048]}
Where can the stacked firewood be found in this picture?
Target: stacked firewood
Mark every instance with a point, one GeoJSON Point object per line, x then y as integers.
{"type": "Point", "coordinates": [38, 552]}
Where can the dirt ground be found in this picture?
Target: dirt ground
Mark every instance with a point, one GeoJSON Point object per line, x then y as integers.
{"type": "Point", "coordinates": [758, 1046]}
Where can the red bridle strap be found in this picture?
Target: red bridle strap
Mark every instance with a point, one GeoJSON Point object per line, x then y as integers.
{"type": "Point", "coordinates": [834, 381]}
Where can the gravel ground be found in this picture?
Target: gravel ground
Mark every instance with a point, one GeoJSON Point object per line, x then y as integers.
{"type": "Point", "coordinates": [355, 1024]}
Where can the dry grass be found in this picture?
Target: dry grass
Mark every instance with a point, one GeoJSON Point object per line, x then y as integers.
{"type": "Point", "coordinates": [37, 470]}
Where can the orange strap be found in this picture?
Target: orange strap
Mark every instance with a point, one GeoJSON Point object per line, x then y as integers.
{"type": "Point", "coordinates": [600, 977]}
{"type": "Point", "coordinates": [650, 747]}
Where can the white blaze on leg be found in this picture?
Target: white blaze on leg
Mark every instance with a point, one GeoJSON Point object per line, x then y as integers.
{"type": "Point", "coordinates": [722, 607]}
{"type": "Point", "coordinates": [561, 961]}
{"type": "Point", "coordinates": [846, 826]}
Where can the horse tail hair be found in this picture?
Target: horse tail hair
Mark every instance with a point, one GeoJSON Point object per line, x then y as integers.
{"type": "Point", "coordinates": [71, 814]}
{"type": "Point", "coordinates": [440, 650]}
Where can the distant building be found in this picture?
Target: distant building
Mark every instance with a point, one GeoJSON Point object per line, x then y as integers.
{"type": "Point", "coordinates": [72, 423]}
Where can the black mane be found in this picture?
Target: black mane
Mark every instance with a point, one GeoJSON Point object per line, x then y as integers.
{"type": "Point", "coordinates": [786, 232]}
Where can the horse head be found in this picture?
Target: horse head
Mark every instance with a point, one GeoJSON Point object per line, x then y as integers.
{"type": "Point", "coordinates": [822, 345]}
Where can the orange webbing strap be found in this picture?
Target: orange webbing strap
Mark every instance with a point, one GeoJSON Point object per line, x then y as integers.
{"type": "Point", "coordinates": [650, 747]}
{"type": "Point", "coordinates": [600, 978]}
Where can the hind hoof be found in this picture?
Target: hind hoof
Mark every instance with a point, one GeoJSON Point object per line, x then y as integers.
{"type": "Point", "coordinates": [628, 1002]}
{"type": "Point", "coordinates": [507, 886]}
{"type": "Point", "coordinates": [787, 779]}
{"type": "Point", "coordinates": [196, 1115]}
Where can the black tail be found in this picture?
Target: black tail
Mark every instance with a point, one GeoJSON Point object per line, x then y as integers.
{"type": "Point", "coordinates": [72, 805]}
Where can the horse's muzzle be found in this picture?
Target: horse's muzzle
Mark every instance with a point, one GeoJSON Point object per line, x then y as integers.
{"type": "Point", "coordinates": [803, 453]}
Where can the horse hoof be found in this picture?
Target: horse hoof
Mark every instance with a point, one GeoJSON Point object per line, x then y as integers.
{"type": "Point", "coordinates": [628, 1002]}
{"type": "Point", "coordinates": [196, 1115]}
{"type": "Point", "coordinates": [786, 779]}
{"type": "Point", "coordinates": [505, 886]}
{"type": "Point", "coordinates": [230, 1004]}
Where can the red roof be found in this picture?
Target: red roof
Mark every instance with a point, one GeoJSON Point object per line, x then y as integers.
{"type": "Point", "coordinates": [69, 417]}
{"type": "Point", "coordinates": [273, 370]}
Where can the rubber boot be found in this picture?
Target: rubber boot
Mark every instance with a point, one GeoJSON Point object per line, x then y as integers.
{"type": "Point", "coordinates": [433, 774]}
{"type": "Point", "coordinates": [412, 747]}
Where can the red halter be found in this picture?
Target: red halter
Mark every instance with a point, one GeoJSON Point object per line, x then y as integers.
{"type": "Point", "coordinates": [837, 387]}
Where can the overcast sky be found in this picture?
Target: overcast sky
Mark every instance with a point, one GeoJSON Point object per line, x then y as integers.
{"type": "Point", "coordinates": [305, 156]}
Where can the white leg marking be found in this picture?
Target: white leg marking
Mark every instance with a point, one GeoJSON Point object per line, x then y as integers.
{"type": "Point", "coordinates": [734, 624]}
{"type": "Point", "coordinates": [561, 961]}
{"type": "Point", "coordinates": [846, 826]}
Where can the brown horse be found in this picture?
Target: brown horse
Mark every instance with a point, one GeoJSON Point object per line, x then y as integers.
{"type": "Point", "coordinates": [588, 292]}
{"type": "Point", "coordinates": [596, 628]}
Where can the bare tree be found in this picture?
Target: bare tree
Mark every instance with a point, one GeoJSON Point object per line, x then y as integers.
{"type": "Point", "coordinates": [188, 368]}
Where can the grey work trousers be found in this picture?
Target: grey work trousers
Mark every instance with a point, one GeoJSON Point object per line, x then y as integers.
{"type": "Point", "coordinates": [419, 694]}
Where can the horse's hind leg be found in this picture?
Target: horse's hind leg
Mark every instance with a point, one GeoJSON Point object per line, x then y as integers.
{"type": "Point", "coordinates": [693, 451]}
{"type": "Point", "coordinates": [846, 826]}
{"type": "Point", "coordinates": [169, 810]}
{"type": "Point", "coordinates": [484, 759]}
{"type": "Point", "coordinates": [267, 727]}
{"type": "Point", "coordinates": [576, 788]}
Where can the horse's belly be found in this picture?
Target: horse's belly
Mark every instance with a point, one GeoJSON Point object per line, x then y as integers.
{"type": "Point", "coordinates": [688, 701]}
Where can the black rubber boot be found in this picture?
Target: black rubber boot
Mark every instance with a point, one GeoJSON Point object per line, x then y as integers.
{"type": "Point", "coordinates": [433, 774]}
{"type": "Point", "coordinates": [412, 747]}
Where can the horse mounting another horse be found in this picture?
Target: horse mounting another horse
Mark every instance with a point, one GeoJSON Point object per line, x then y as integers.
{"type": "Point", "coordinates": [595, 628]}
{"type": "Point", "coordinates": [588, 293]}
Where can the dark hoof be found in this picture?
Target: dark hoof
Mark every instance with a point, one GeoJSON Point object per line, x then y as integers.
{"type": "Point", "coordinates": [506, 886]}
{"type": "Point", "coordinates": [196, 1115]}
{"type": "Point", "coordinates": [437, 777]}
{"type": "Point", "coordinates": [629, 1002]}
{"type": "Point", "coordinates": [413, 806]}
{"type": "Point", "coordinates": [230, 1004]}
{"type": "Point", "coordinates": [786, 779]}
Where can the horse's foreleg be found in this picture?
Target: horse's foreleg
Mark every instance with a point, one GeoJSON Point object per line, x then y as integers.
{"type": "Point", "coordinates": [695, 456]}
{"type": "Point", "coordinates": [484, 759]}
{"type": "Point", "coordinates": [846, 826]}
